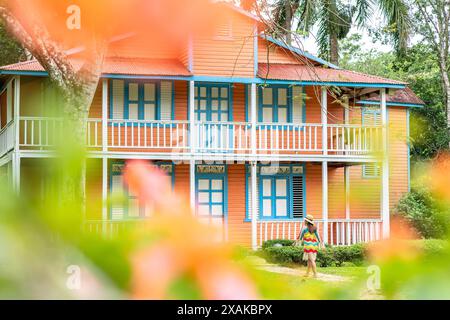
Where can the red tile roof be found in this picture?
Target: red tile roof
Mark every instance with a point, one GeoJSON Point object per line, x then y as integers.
{"type": "Point", "coordinates": [400, 96]}
{"type": "Point", "coordinates": [124, 66]}
{"type": "Point", "coordinates": [318, 74]}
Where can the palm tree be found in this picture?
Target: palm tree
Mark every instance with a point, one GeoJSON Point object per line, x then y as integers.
{"type": "Point", "coordinates": [334, 19]}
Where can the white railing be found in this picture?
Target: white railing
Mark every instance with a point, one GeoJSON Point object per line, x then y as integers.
{"type": "Point", "coordinates": [289, 137]}
{"type": "Point", "coordinates": [354, 139]}
{"type": "Point", "coordinates": [223, 137]}
{"type": "Point", "coordinates": [347, 232]}
{"type": "Point", "coordinates": [43, 132]}
{"type": "Point", "coordinates": [7, 135]}
{"type": "Point", "coordinates": [340, 231]}
{"type": "Point", "coordinates": [212, 137]}
{"type": "Point", "coordinates": [39, 132]}
{"type": "Point", "coordinates": [140, 134]}
{"type": "Point", "coordinates": [110, 228]}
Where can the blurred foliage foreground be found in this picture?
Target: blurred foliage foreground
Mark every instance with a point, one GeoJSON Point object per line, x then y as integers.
{"type": "Point", "coordinates": [44, 253]}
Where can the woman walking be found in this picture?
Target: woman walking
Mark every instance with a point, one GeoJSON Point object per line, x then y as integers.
{"type": "Point", "coordinates": [311, 244]}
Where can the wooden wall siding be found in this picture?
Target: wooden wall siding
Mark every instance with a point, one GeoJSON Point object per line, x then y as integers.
{"type": "Point", "coordinates": [181, 100]}
{"type": "Point", "coordinates": [94, 189]}
{"type": "Point", "coordinates": [336, 193]}
{"type": "Point", "coordinates": [232, 57]}
{"type": "Point", "coordinates": [238, 230]}
{"type": "Point", "coordinates": [95, 112]}
{"type": "Point", "coordinates": [398, 151]}
{"type": "Point", "coordinates": [276, 54]}
{"type": "Point", "coordinates": [139, 46]}
{"type": "Point", "coordinates": [314, 190]}
{"type": "Point", "coordinates": [182, 184]}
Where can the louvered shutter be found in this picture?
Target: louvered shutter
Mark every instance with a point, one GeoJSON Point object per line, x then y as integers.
{"type": "Point", "coordinates": [298, 201]}
{"type": "Point", "coordinates": [166, 100]}
{"type": "Point", "coordinates": [118, 99]}
{"type": "Point", "coordinates": [371, 170]}
{"type": "Point", "coordinates": [117, 210]}
{"type": "Point", "coordinates": [372, 117]}
{"type": "Point", "coordinates": [298, 101]}
{"type": "Point", "coordinates": [249, 197]}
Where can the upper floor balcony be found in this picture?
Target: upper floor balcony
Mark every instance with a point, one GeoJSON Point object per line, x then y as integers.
{"type": "Point", "coordinates": [171, 137]}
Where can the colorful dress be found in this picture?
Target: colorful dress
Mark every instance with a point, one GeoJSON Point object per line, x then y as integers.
{"type": "Point", "coordinates": [311, 241]}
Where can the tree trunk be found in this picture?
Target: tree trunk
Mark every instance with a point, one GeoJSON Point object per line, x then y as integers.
{"type": "Point", "coordinates": [288, 16]}
{"type": "Point", "coordinates": [445, 85]}
{"type": "Point", "coordinates": [334, 42]}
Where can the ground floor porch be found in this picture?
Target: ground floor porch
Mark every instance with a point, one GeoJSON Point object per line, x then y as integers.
{"type": "Point", "coordinates": [344, 198]}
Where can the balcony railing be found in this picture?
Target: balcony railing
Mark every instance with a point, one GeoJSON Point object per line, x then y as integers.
{"type": "Point", "coordinates": [210, 137]}
{"type": "Point", "coordinates": [340, 231]}
{"type": "Point", "coordinates": [7, 135]}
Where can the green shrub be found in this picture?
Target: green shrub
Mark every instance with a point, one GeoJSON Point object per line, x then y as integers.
{"type": "Point", "coordinates": [328, 257]}
{"type": "Point", "coordinates": [271, 243]}
{"type": "Point", "coordinates": [424, 213]}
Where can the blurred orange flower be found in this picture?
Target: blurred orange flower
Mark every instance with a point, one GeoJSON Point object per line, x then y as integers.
{"type": "Point", "coordinates": [181, 245]}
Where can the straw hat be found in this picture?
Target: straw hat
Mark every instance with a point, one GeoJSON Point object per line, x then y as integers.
{"type": "Point", "coordinates": [309, 218]}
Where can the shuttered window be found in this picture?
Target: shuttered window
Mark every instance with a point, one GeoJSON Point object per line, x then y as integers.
{"type": "Point", "coordinates": [371, 116]}
{"type": "Point", "coordinates": [279, 104]}
{"type": "Point", "coordinates": [280, 193]}
{"type": "Point", "coordinates": [125, 204]}
{"type": "Point", "coordinates": [135, 100]}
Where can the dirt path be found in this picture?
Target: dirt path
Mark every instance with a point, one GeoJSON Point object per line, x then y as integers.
{"type": "Point", "coordinates": [262, 264]}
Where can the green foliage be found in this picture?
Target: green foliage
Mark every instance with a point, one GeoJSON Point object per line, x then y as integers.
{"type": "Point", "coordinates": [419, 68]}
{"type": "Point", "coordinates": [330, 256]}
{"type": "Point", "coordinates": [271, 243]}
{"type": "Point", "coordinates": [424, 213]}
{"type": "Point", "coordinates": [10, 50]}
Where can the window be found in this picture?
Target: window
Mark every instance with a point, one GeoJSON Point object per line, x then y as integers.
{"type": "Point", "coordinates": [371, 171]}
{"type": "Point", "coordinates": [137, 100]}
{"type": "Point", "coordinates": [274, 194]}
{"type": "Point", "coordinates": [210, 187]}
{"type": "Point", "coordinates": [371, 116]}
{"type": "Point", "coordinates": [281, 104]}
{"type": "Point", "coordinates": [212, 102]}
{"type": "Point", "coordinates": [280, 192]}
{"type": "Point", "coordinates": [125, 204]}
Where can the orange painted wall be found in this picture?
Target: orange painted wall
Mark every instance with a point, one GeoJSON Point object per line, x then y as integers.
{"type": "Point", "coordinates": [226, 57]}
{"type": "Point", "coordinates": [271, 53]}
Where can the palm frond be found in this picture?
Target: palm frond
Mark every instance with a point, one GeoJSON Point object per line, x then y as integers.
{"type": "Point", "coordinates": [396, 13]}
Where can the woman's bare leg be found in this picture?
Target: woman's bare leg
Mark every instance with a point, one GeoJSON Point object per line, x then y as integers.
{"type": "Point", "coordinates": [314, 268]}
{"type": "Point", "coordinates": [308, 269]}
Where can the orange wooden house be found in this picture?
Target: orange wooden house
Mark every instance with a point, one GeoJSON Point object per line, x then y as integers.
{"type": "Point", "coordinates": [245, 126]}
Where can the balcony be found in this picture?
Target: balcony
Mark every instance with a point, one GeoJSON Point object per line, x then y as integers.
{"type": "Point", "coordinates": [219, 138]}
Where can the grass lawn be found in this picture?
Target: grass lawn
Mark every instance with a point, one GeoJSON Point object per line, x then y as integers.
{"type": "Point", "coordinates": [333, 283]}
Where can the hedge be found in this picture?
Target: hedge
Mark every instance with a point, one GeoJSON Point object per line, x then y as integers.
{"type": "Point", "coordinates": [334, 256]}
{"type": "Point", "coordinates": [330, 256]}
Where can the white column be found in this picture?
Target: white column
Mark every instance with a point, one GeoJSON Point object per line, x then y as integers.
{"type": "Point", "coordinates": [254, 168]}
{"type": "Point", "coordinates": [253, 117]}
{"type": "Point", "coordinates": [347, 175]}
{"type": "Point", "coordinates": [324, 113]}
{"type": "Point", "coordinates": [254, 205]}
{"type": "Point", "coordinates": [192, 141]}
{"type": "Point", "coordinates": [385, 167]}
{"type": "Point", "coordinates": [325, 200]}
{"type": "Point", "coordinates": [104, 194]}
{"type": "Point", "coordinates": [104, 115]}
{"type": "Point", "coordinates": [16, 152]}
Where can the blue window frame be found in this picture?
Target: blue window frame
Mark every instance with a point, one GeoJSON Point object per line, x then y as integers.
{"type": "Point", "coordinates": [213, 102]}
{"type": "Point", "coordinates": [211, 192]}
{"type": "Point", "coordinates": [129, 207]}
{"type": "Point", "coordinates": [275, 104]}
{"type": "Point", "coordinates": [142, 100]}
{"type": "Point", "coordinates": [281, 192]}
{"type": "Point", "coordinates": [274, 197]}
